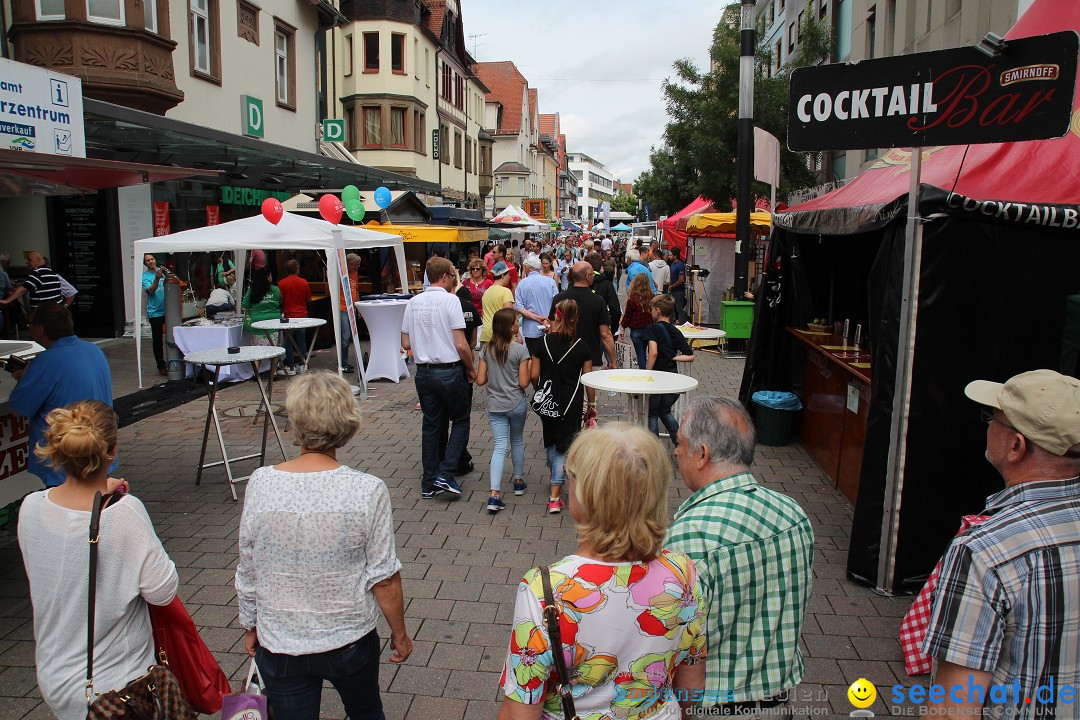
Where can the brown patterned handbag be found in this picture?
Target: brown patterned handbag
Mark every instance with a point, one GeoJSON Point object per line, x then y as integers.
{"type": "Point", "coordinates": [155, 695]}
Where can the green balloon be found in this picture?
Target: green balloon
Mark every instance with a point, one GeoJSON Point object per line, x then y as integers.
{"type": "Point", "coordinates": [355, 209]}
{"type": "Point", "coordinates": [349, 192]}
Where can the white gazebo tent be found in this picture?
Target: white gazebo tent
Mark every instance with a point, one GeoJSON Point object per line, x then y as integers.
{"type": "Point", "coordinates": [294, 232]}
{"type": "Point", "coordinates": [515, 216]}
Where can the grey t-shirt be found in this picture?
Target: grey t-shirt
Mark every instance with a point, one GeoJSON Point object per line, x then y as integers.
{"type": "Point", "coordinates": [504, 393]}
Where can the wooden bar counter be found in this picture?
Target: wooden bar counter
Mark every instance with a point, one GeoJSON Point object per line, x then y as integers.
{"type": "Point", "coordinates": [836, 405]}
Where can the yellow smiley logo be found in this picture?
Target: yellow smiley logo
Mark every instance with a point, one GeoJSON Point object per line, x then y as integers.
{"type": "Point", "coordinates": [862, 693]}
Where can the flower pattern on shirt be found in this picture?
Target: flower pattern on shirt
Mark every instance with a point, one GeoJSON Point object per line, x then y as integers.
{"type": "Point", "coordinates": [658, 610]}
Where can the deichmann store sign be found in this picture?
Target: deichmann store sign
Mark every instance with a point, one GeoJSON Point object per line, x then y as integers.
{"type": "Point", "coordinates": [948, 97]}
{"type": "Point", "coordinates": [40, 110]}
{"type": "Point", "coordinates": [248, 196]}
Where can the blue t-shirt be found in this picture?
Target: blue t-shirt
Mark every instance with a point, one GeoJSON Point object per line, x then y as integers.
{"type": "Point", "coordinates": [155, 303]}
{"type": "Point", "coordinates": [636, 268]}
{"type": "Point", "coordinates": [534, 293]}
{"type": "Point", "coordinates": [678, 269]}
{"type": "Point", "coordinates": [68, 371]}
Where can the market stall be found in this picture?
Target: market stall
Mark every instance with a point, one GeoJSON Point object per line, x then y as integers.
{"type": "Point", "coordinates": [673, 228]}
{"type": "Point", "coordinates": [512, 216]}
{"type": "Point", "coordinates": [295, 232]}
{"type": "Point", "coordinates": [998, 262]}
{"type": "Point", "coordinates": [421, 240]}
{"type": "Point", "coordinates": [710, 247]}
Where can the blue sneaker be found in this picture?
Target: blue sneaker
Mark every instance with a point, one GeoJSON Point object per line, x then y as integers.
{"type": "Point", "coordinates": [495, 504]}
{"type": "Point", "coordinates": [449, 486]}
{"type": "Point", "coordinates": [431, 494]}
{"type": "Point", "coordinates": [519, 486]}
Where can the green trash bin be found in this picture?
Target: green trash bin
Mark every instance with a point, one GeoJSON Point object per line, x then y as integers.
{"type": "Point", "coordinates": [774, 413]}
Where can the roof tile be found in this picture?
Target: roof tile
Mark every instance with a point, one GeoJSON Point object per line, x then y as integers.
{"type": "Point", "coordinates": [506, 84]}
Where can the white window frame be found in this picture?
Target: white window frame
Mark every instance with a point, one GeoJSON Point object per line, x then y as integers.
{"type": "Point", "coordinates": [281, 65]}
{"type": "Point", "coordinates": [196, 14]}
{"type": "Point", "coordinates": [107, 20]}
{"type": "Point", "coordinates": [42, 16]}
{"type": "Point", "coordinates": [150, 22]}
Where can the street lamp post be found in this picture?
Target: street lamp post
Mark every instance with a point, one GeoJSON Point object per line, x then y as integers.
{"type": "Point", "coordinates": [745, 167]}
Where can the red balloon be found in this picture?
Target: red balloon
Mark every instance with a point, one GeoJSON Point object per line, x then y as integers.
{"type": "Point", "coordinates": [272, 210]}
{"type": "Point", "coordinates": [331, 207]}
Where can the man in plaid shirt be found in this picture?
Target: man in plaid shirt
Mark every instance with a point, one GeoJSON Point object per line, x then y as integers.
{"type": "Point", "coordinates": [753, 549]}
{"type": "Point", "coordinates": [1006, 609]}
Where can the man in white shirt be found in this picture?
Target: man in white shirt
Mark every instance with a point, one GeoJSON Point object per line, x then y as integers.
{"type": "Point", "coordinates": [605, 244]}
{"type": "Point", "coordinates": [434, 329]}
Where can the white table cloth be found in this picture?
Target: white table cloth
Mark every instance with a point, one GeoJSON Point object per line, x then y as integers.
{"type": "Point", "coordinates": [636, 385]}
{"type": "Point", "coordinates": [221, 360]}
{"type": "Point", "coordinates": [383, 319]}
{"type": "Point", "coordinates": [194, 338]}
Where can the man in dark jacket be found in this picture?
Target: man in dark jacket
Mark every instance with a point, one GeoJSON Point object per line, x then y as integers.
{"type": "Point", "coordinates": [605, 288]}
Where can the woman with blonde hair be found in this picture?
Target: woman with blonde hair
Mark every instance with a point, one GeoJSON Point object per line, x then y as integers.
{"type": "Point", "coordinates": [477, 282]}
{"type": "Point", "coordinates": [133, 567]}
{"type": "Point", "coordinates": [556, 369]}
{"type": "Point", "coordinates": [316, 562]}
{"type": "Point", "coordinates": [630, 614]}
{"type": "Point", "coordinates": [638, 314]}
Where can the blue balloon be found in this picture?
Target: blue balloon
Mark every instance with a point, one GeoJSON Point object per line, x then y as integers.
{"type": "Point", "coordinates": [382, 197]}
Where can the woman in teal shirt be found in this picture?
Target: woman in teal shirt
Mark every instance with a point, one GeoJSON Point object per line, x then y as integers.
{"type": "Point", "coordinates": [262, 301]}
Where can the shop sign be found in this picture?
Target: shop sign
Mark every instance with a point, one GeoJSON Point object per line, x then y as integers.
{"type": "Point", "coordinates": [161, 218]}
{"type": "Point", "coordinates": [333, 130]}
{"type": "Point", "coordinates": [40, 110]}
{"type": "Point", "coordinates": [213, 215]}
{"type": "Point", "coordinates": [252, 120]}
{"type": "Point", "coordinates": [948, 97]}
{"type": "Point", "coordinates": [435, 146]}
{"type": "Point", "coordinates": [248, 196]}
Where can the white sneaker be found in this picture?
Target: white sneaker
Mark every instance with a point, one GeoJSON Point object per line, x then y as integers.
{"type": "Point", "coordinates": [290, 371]}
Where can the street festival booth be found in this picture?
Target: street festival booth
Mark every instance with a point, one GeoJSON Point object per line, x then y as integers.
{"type": "Point", "coordinates": [292, 232]}
{"type": "Point", "coordinates": [710, 247]}
{"type": "Point", "coordinates": [991, 266]}
{"type": "Point", "coordinates": [673, 229]}
{"type": "Point", "coordinates": [420, 240]}
{"type": "Point", "coordinates": [516, 217]}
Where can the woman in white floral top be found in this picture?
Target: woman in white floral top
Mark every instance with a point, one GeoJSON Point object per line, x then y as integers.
{"type": "Point", "coordinates": [317, 563]}
{"type": "Point", "coordinates": [630, 613]}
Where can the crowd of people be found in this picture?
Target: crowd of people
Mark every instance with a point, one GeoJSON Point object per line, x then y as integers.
{"type": "Point", "coordinates": [650, 616]}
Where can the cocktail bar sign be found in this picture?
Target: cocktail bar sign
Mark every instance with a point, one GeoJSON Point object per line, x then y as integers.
{"type": "Point", "coordinates": [948, 97]}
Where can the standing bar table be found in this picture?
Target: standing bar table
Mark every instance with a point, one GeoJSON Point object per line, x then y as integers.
{"type": "Point", "coordinates": [383, 319]}
{"type": "Point", "coordinates": [293, 324]}
{"type": "Point", "coordinates": [637, 384]}
{"type": "Point", "coordinates": [692, 333]}
{"type": "Point", "coordinates": [253, 354]}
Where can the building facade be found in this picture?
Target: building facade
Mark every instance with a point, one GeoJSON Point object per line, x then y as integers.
{"type": "Point", "coordinates": [511, 119]}
{"type": "Point", "coordinates": [595, 185]}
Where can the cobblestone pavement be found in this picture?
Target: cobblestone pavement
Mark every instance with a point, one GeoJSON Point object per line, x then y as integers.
{"type": "Point", "coordinates": [461, 564]}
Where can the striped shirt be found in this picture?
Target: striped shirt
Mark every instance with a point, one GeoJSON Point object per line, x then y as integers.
{"type": "Point", "coordinates": [43, 286]}
{"type": "Point", "coordinates": [753, 549]}
{"type": "Point", "coordinates": [1008, 596]}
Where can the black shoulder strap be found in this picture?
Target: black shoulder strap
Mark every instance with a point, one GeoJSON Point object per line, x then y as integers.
{"type": "Point", "coordinates": [551, 621]}
{"type": "Point", "coordinates": [95, 524]}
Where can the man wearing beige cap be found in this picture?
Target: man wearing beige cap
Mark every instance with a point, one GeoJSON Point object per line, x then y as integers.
{"type": "Point", "coordinates": [1006, 610]}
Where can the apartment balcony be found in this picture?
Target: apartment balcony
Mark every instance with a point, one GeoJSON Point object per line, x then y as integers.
{"type": "Point", "coordinates": [127, 66]}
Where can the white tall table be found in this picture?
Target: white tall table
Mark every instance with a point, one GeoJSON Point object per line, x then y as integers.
{"type": "Point", "coordinates": [293, 324]}
{"type": "Point", "coordinates": [195, 338]}
{"type": "Point", "coordinates": [637, 385]}
{"type": "Point", "coordinates": [383, 319]}
{"type": "Point", "coordinates": [253, 355]}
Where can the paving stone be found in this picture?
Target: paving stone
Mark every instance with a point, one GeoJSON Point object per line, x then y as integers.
{"type": "Point", "coordinates": [472, 685]}
{"type": "Point", "coordinates": [449, 655]}
{"type": "Point", "coordinates": [420, 681]}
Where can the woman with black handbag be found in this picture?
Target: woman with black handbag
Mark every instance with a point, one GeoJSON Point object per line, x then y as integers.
{"type": "Point", "coordinates": [132, 569]}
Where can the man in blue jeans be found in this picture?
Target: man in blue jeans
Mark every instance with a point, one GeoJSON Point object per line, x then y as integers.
{"type": "Point", "coordinates": [434, 329]}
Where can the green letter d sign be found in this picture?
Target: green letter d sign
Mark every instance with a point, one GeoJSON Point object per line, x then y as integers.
{"type": "Point", "coordinates": [333, 130]}
{"type": "Point", "coordinates": [253, 116]}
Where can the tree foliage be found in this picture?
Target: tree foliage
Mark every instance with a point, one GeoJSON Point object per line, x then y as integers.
{"type": "Point", "coordinates": [700, 155]}
{"type": "Point", "coordinates": [625, 203]}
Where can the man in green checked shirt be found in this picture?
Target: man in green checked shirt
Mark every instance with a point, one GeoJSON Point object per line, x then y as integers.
{"type": "Point", "coordinates": [753, 548]}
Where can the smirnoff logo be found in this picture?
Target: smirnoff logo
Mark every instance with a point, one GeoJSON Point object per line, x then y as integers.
{"type": "Point", "coordinates": [1030, 72]}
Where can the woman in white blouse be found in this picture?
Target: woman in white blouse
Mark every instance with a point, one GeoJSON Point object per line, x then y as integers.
{"type": "Point", "coordinates": [133, 568]}
{"type": "Point", "coordinates": [316, 557]}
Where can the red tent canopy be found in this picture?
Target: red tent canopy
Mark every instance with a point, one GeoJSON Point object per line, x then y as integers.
{"type": "Point", "coordinates": [674, 227]}
{"type": "Point", "coordinates": [1034, 171]}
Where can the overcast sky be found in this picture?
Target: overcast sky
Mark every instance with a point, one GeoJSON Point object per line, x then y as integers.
{"type": "Point", "coordinates": [598, 64]}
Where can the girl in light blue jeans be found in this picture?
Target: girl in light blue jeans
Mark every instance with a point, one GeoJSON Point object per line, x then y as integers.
{"type": "Point", "coordinates": [504, 368]}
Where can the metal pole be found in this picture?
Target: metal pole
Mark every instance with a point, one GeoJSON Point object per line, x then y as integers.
{"type": "Point", "coordinates": [744, 192]}
{"type": "Point", "coordinates": [901, 403]}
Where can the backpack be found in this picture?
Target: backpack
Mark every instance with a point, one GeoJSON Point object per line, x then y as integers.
{"type": "Point", "coordinates": [545, 401]}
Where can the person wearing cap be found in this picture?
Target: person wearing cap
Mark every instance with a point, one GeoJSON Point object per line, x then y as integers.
{"type": "Point", "coordinates": [496, 297]}
{"type": "Point", "coordinates": [533, 301]}
{"type": "Point", "coordinates": [498, 255]}
{"type": "Point", "coordinates": [1006, 608]}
